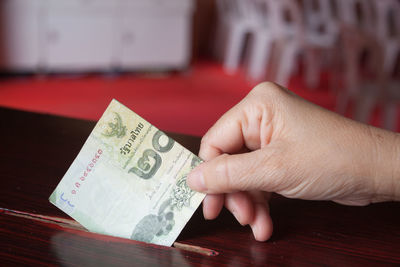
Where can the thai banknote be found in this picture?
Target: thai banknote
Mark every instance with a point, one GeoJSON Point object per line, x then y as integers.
{"type": "Point", "coordinates": [129, 180]}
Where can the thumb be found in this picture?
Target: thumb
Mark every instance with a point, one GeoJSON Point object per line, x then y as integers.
{"type": "Point", "coordinates": [229, 173]}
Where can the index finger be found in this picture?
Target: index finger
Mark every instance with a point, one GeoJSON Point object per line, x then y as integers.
{"type": "Point", "coordinates": [225, 136]}
{"type": "Point", "coordinates": [248, 125]}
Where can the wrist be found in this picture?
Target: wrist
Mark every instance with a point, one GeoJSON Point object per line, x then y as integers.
{"type": "Point", "coordinates": [386, 165]}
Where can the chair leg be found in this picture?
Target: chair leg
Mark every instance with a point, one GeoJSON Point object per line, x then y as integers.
{"type": "Point", "coordinates": [235, 43]}
{"type": "Point", "coordinates": [312, 70]}
{"type": "Point", "coordinates": [350, 87]}
{"type": "Point", "coordinates": [366, 101]}
{"type": "Point", "coordinates": [390, 116]}
{"type": "Point", "coordinates": [259, 57]}
{"type": "Point", "coordinates": [286, 64]}
{"type": "Point", "coordinates": [220, 41]}
{"type": "Point", "coordinates": [342, 101]}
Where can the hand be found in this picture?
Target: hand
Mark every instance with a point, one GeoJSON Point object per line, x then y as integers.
{"type": "Point", "coordinates": [274, 141]}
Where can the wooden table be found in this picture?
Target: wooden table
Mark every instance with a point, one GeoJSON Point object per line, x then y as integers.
{"type": "Point", "coordinates": [37, 149]}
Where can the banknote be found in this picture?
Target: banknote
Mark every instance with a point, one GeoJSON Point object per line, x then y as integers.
{"type": "Point", "coordinates": [129, 180]}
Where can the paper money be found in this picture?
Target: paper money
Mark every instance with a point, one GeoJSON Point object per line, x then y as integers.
{"type": "Point", "coordinates": [129, 180]}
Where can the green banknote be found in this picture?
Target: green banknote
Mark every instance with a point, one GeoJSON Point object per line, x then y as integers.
{"type": "Point", "coordinates": [129, 180]}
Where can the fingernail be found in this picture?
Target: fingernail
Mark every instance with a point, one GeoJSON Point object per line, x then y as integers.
{"type": "Point", "coordinates": [237, 217]}
{"type": "Point", "coordinates": [234, 211]}
{"type": "Point", "coordinates": [195, 180]}
{"type": "Point", "coordinates": [254, 228]}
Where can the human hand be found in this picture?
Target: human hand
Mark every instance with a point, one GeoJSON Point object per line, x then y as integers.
{"type": "Point", "coordinates": [274, 141]}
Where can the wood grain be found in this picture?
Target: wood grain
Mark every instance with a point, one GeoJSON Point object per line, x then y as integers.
{"type": "Point", "coordinates": [37, 149]}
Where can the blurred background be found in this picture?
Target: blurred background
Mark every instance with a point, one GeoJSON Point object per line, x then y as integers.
{"type": "Point", "coordinates": [181, 64]}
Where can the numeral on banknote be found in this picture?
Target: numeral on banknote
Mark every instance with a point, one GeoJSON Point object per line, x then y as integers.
{"type": "Point", "coordinates": [156, 142]}
{"type": "Point", "coordinates": [145, 169]}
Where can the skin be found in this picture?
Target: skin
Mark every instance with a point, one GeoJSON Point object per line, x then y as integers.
{"type": "Point", "coordinates": [275, 141]}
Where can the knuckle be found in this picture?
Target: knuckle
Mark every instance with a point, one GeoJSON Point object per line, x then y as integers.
{"type": "Point", "coordinates": [269, 90]}
{"type": "Point", "coordinates": [279, 170]}
{"type": "Point", "coordinates": [224, 177]}
{"type": "Point", "coordinates": [265, 87]}
{"type": "Point", "coordinates": [204, 140]}
{"type": "Point", "coordinates": [207, 150]}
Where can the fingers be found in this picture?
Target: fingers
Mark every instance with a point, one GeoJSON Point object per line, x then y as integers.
{"type": "Point", "coordinates": [224, 137]}
{"type": "Point", "coordinates": [251, 208]}
{"type": "Point", "coordinates": [241, 206]}
{"type": "Point", "coordinates": [248, 124]}
{"type": "Point", "coordinates": [261, 225]}
{"type": "Point", "coordinates": [212, 205]}
{"type": "Point", "coordinates": [232, 173]}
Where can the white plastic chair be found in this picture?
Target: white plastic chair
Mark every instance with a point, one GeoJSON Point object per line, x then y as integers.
{"type": "Point", "coordinates": [235, 23]}
{"type": "Point", "coordinates": [278, 29]}
{"type": "Point", "coordinates": [321, 35]}
{"type": "Point", "coordinates": [388, 32]}
{"type": "Point", "coordinates": [261, 46]}
{"type": "Point", "coordinates": [357, 30]}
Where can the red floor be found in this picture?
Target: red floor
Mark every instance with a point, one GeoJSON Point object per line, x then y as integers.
{"type": "Point", "coordinates": [188, 102]}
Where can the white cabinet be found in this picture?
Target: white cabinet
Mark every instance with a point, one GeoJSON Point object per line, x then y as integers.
{"type": "Point", "coordinates": [78, 41]}
{"type": "Point", "coordinates": [154, 42]}
{"type": "Point", "coordinates": [19, 34]}
{"type": "Point", "coordinates": [87, 35]}
{"type": "Point", "coordinates": [154, 34]}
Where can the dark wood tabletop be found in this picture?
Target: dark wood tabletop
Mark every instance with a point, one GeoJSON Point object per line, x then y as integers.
{"type": "Point", "coordinates": [37, 149]}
